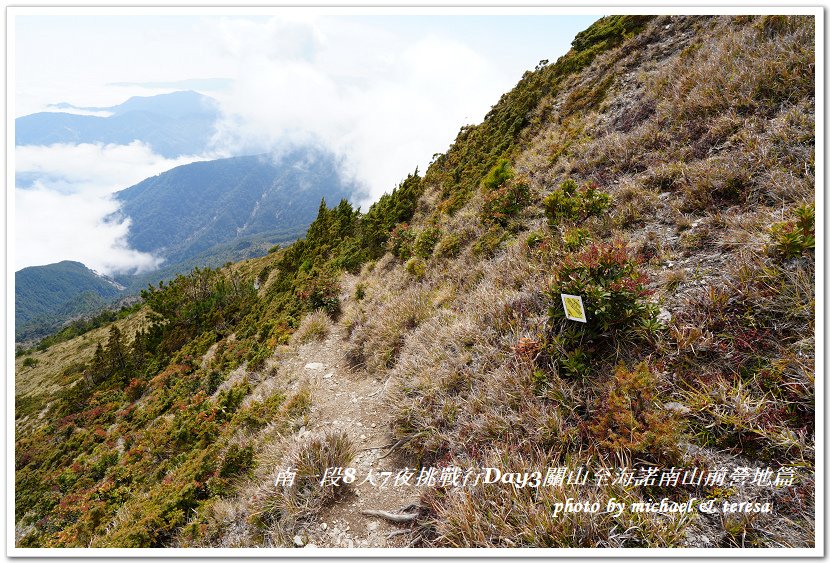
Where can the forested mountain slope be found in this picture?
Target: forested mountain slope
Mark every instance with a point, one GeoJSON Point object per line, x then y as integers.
{"type": "Point", "coordinates": [193, 208]}
{"type": "Point", "coordinates": [40, 292]}
{"type": "Point", "coordinates": [662, 170]}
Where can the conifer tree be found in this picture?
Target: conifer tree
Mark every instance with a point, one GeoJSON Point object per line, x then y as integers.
{"type": "Point", "coordinates": [116, 354]}
{"type": "Point", "coordinates": [98, 370]}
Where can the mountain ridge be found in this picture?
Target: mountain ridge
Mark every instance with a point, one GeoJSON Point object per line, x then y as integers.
{"type": "Point", "coordinates": [200, 214]}
{"type": "Point", "coordinates": [646, 172]}
{"type": "Point", "coordinates": [181, 123]}
{"type": "Point", "coordinates": [40, 291]}
{"type": "Point", "coordinates": [173, 104]}
{"type": "Point", "coordinates": [244, 195]}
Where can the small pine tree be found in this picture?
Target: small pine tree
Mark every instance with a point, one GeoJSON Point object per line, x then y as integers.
{"type": "Point", "coordinates": [116, 355]}
{"type": "Point", "coordinates": [138, 350]}
{"type": "Point", "coordinates": [98, 370]}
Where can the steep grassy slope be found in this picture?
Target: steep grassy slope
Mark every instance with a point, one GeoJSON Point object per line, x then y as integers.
{"type": "Point", "coordinates": [662, 170]}
{"type": "Point", "coordinates": [697, 274]}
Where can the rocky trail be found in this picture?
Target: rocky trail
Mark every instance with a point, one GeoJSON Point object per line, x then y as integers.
{"type": "Point", "coordinates": [354, 402]}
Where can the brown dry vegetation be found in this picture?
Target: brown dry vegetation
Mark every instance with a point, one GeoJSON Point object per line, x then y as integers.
{"type": "Point", "coordinates": [700, 130]}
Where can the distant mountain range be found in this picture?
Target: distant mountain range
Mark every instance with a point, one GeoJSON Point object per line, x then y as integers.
{"type": "Point", "coordinates": [175, 124]}
{"type": "Point", "coordinates": [46, 296]}
{"type": "Point", "coordinates": [194, 208]}
{"type": "Point", "coordinates": [200, 214]}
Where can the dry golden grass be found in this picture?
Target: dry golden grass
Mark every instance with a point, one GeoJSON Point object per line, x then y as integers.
{"type": "Point", "coordinates": [376, 344]}
{"type": "Point", "coordinates": [284, 511]}
{"type": "Point", "coordinates": [703, 138]}
{"type": "Point", "coordinates": [504, 516]}
{"type": "Point", "coordinates": [696, 165]}
{"type": "Point", "coordinates": [315, 326]}
{"type": "Point", "coordinates": [673, 278]}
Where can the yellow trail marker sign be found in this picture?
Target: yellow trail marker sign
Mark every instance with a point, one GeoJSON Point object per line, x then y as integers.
{"type": "Point", "coordinates": [574, 309]}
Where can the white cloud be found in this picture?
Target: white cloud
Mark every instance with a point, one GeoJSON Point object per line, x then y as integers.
{"type": "Point", "coordinates": [95, 166]}
{"type": "Point", "coordinates": [65, 214]}
{"type": "Point", "coordinates": [382, 105]}
{"type": "Point", "coordinates": [383, 93]}
{"type": "Point", "coordinates": [54, 226]}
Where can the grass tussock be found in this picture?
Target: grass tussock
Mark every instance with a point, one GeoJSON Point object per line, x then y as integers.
{"type": "Point", "coordinates": [376, 342]}
{"type": "Point", "coordinates": [288, 508]}
{"type": "Point", "coordinates": [315, 326]}
{"type": "Point", "coordinates": [504, 516]}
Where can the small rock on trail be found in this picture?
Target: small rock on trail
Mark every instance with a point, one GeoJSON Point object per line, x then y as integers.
{"type": "Point", "coordinates": [355, 402]}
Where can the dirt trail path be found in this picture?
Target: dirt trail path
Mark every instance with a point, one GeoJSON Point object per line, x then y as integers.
{"type": "Point", "coordinates": [355, 402]}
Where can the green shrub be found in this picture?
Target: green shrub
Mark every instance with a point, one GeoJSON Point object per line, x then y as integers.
{"type": "Point", "coordinates": [321, 291]}
{"type": "Point", "coordinates": [610, 284]}
{"type": "Point", "coordinates": [259, 413]}
{"type": "Point", "coordinates": [501, 203]}
{"type": "Point", "coordinates": [425, 241]}
{"type": "Point", "coordinates": [400, 241]}
{"type": "Point", "coordinates": [572, 203]}
{"type": "Point", "coordinates": [575, 237]}
{"type": "Point", "coordinates": [498, 175]}
{"type": "Point", "coordinates": [238, 460]}
{"type": "Point", "coordinates": [359, 291]}
{"type": "Point", "coordinates": [575, 363]}
{"type": "Point", "coordinates": [213, 380]}
{"type": "Point", "coordinates": [795, 237]}
{"type": "Point", "coordinates": [449, 246]}
{"type": "Point", "coordinates": [262, 277]}
{"type": "Point", "coordinates": [257, 356]}
{"type": "Point", "coordinates": [416, 267]}
{"type": "Point", "coordinates": [134, 390]}
{"type": "Point", "coordinates": [535, 239]}
{"type": "Point", "coordinates": [30, 362]}
{"type": "Point", "coordinates": [608, 32]}
{"type": "Point", "coordinates": [489, 242]}
{"type": "Point", "coordinates": [229, 400]}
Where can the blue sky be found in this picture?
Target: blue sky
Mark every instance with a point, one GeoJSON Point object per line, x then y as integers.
{"type": "Point", "coordinates": [382, 92]}
{"type": "Point", "coordinates": [73, 57]}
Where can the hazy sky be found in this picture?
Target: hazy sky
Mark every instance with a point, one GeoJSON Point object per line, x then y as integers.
{"type": "Point", "coordinates": [383, 92]}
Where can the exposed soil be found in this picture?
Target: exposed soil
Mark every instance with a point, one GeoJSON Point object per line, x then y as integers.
{"type": "Point", "coordinates": [354, 401]}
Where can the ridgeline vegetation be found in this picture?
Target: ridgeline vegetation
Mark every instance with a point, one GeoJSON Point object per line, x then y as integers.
{"type": "Point", "coordinates": [663, 170]}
